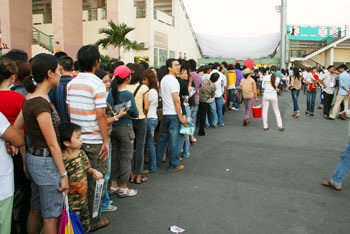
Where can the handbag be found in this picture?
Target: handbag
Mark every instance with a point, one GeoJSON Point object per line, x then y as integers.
{"type": "Point", "coordinates": [70, 222]}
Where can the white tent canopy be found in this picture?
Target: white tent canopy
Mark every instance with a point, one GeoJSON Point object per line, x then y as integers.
{"type": "Point", "coordinates": [239, 47]}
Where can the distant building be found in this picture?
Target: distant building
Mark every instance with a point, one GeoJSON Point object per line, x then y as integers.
{"type": "Point", "coordinates": [314, 46]}
{"type": "Point", "coordinates": [162, 26]}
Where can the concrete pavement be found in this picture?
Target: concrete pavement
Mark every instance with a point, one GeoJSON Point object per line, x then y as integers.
{"type": "Point", "coordinates": [247, 180]}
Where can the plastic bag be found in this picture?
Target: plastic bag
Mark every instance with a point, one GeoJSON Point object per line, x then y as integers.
{"type": "Point", "coordinates": [238, 96]}
{"type": "Point", "coordinates": [189, 130]}
{"type": "Point", "coordinates": [70, 222]}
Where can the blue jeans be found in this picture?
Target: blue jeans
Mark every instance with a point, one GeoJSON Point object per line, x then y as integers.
{"type": "Point", "coordinates": [235, 103]}
{"type": "Point", "coordinates": [169, 136]}
{"type": "Point", "coordinates": [295, 95]}
{"type": "Point", "coordinates": [212, 115]}
{"type": "Point", "coordinates": [230, 96]}
{"type": "Point", "coordinates": [310, 101]}
{"type": "Point", "coordinates": [219, 103]}
{"type": "Point", "coordinates": [342, 168]}
{"type": "Point", "coordinates": [140, 130]}
{"type": "Point", "coordinates": [105, 197]}
{"type": "Point", "coordinates": [150, 144]}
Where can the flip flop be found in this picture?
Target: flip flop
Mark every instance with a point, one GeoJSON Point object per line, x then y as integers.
{"type": "Point", "coordinates": [327, 183]}
{"type": "Point", "coordinates": [109, 209]}
{"type": "Point", "coordinates": [143, 180]}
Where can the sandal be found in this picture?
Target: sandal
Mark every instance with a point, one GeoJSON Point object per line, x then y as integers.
{"type": "Point", "coordinates": [132, 178]}
{"type": "Point", "coordinates": [113, 190]}
{"type": "Point", "coordinates": [104, 223]}
{"type": "Point", "coordinates": [327, 183]}
{"type": "Point", "coordinates": [126, 192]}
{"type": "Point", "coordinates": [143, 179]}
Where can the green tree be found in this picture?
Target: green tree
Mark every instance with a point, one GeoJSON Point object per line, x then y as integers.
{"type": "Point", "coordinates": [116, 37]}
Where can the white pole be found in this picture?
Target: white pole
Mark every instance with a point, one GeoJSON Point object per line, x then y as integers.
{"type": "Point", "coordinates": [283, 32]}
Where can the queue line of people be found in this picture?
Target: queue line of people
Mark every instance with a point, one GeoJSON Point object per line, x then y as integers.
{"type": "Point", "coordinates": [99, 124]}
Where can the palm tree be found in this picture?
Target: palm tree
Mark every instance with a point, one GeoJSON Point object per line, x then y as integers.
{"type": "Point", "coordinates": [116, 37]}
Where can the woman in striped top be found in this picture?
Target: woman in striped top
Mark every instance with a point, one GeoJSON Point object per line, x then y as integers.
{"type": "Point", "coordinates": [269, 85]}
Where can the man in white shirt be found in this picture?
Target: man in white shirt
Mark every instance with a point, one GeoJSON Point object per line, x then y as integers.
{"type": "Point", "coordinates": [172, 117]}
{"type": "Point", "coordinates": [220, 86]}
{"type": "Point", "coordinates": [328, 81]}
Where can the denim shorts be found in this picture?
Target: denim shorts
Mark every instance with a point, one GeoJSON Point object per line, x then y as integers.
{"type": "Point", "coordinates": [45, 184]}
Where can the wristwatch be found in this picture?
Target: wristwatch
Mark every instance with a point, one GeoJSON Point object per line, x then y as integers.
{"type": "Point", "coordinates": [64, 174]}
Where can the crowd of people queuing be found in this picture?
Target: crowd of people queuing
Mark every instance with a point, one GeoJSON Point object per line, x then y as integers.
{"type": "Point", "coordinates": [85, 121]}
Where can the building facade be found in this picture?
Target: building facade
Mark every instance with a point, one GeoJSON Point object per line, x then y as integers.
{"type": "Point", "coordinates": [162, 26]}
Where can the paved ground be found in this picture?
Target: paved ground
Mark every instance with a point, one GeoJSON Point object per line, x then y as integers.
{"type": "Point", "coordinates": [247, 180]}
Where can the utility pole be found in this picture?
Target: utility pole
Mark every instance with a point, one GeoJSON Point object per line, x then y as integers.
{"type": "Point", "coordinates": [283, 33]}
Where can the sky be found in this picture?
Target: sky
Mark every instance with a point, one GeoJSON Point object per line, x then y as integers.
{"type": "Point", "coordinates": [247, 18]}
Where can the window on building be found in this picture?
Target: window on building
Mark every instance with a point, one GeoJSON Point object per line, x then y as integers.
{"type": "Point", "coordinates": [163, 56]}
{"type": "Point", "coordinates": [141, 8]}
{"type": "Point", "coordinates": [155, 57]}
{"type": "Point", "coordinates": [171, 54]}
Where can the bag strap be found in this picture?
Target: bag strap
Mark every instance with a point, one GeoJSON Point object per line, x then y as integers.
{"type": "Point", "coordinates": [137, 89]}
{"type": "Point", "coordinates": [66, 204]}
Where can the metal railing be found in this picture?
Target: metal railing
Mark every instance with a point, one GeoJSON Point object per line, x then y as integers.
{"type": "Point", "coordinates": [313, 63]}
{"type": "Point", "coordinates": [89, 14]}
{"type": "Point", "coordinates": [318, 45]}
{"type": "Point", "coordinates": [43, 39]}
{"type": "Point", "coordinates": [141, 10]}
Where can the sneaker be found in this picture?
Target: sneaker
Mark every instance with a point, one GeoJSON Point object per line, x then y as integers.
{"type": "Point", "coordinates": [178, 168]}
{"type": "Point", "coordinates": [235, 109]}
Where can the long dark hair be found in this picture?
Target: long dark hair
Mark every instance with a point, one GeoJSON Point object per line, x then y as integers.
{"type": "Point", "coordinates": [114, 85]}
{"type": "Point", "coordinates": [273, 81]}
{"type": "Point", "coordinates": [136, 76]}
{"type": "Point", "coordinates": [39, 66]}
{"type": "Point", "coordinates": [296, 73]}
{"type": "Point", "coordinates": [152, 79]}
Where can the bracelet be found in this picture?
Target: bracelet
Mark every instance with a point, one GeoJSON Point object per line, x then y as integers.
{"type": "Point", "coordinates": [64, 174]}
{"type": "Point", "coordinates": [115, 118]}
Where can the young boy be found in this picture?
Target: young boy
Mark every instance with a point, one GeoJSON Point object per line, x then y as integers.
{"type": "Point", "coordinates": [77, 165]}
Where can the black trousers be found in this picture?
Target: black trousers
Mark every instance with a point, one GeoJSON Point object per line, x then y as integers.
{"type": "Point", "coordinates": [328, 98]}
{"type": "Point", "coordinates": [202, 111]}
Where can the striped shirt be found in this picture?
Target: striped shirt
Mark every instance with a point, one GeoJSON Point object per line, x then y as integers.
{"type": "Point", "coordinates": [269, 91]}
{"type": "Point", "coordinates": [85, 94]}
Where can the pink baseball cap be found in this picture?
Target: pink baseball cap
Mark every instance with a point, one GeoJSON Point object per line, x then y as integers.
{"type": "Point", "coordinates": [122, 71]}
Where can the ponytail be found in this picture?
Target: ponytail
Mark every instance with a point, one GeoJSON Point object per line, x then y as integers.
{"type": "Point", "coordinates": [114, 85]}
{"type": "Point", "coordinates": [30, 84]}
{"type": "Point", "coordinates": [273, 81]}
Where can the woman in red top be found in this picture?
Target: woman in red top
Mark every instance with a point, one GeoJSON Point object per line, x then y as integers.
{"type": "Point", "coordinates": [311, 92]}
{"type": "Point", "coordinates": [12, 101]}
